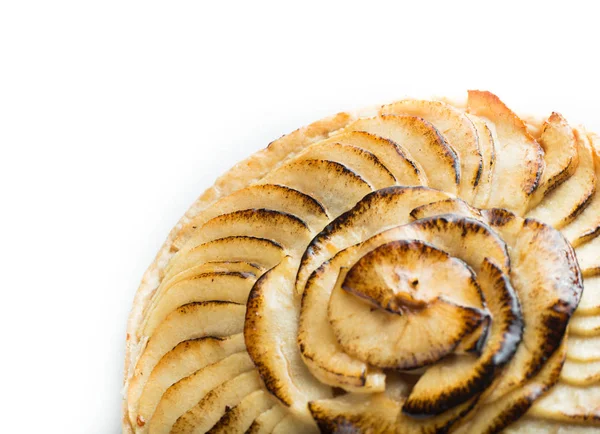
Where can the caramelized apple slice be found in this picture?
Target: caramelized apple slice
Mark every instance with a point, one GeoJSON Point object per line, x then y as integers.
{"type": "Point", "coordinates": [335, 186]}
{"type": "Point", "coordinates": [360, 161]}
{"type": "Point", "coordinates": [424, 143]}
{"type": "Point", "coordinates": [513, 183]}
{"type": "Point", "coordinates": [266, 422]}
{"type": "Point", "coordinates": [565, 202]}
{"type": "Point", "coordinates": [458, 130]}
{"type": "Point", "coordinates": [239, 418]}
{"type": "Point", "coordinates": [270, 332]}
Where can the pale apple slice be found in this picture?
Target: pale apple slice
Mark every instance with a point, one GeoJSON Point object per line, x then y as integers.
{"type": "Point", "coordinates": [415, 322]}
{"type": "Point", "coordinates": [548, 283]}
{"type": "Point", "coordinates": [580, 373]}
{"type": "Point", "coordinates": [376, 212]}
{"type": "Point", "coordinates": [567, 403]}
{"type": "Point", "coordinates": [239, 418]}
{"type": "Point", "coordinates": [585, 325]}
{"type": "Point", "coordinates": [284, 229]}
{"type": "Point", "coordinates": [219, 401]}
{"type": "Point", "coordinates": [182, 361]}
{"type": "Point", "coordinates": [394, 157]}
{"type": "Point", "coordinates": [513, 183]}
{"type": "Point", "coordinates": [270, 333]}
{"type": "Point", "coordinates": [488, 154]}
{"type": "Point", "coordinates": [457, 129]}
{"type": "Point", "coordinates": [186, 393]}
{"type": "Point", "coordinates": [222, 286]}
{"type": "Point", "coordinates": [560, 155]}
{"type": "Point", "coordinates": [362, 162]}
{"type": "Point", "coordinates": [588, 256]}
{"type": "Point", "coordinates": [584, 348]}
{"type": "Point", "coordinates": [568, 200]}
{"type": "Point", "coordinates": [263, 252]}
{"type": "Point", "coordinates": [335, 186]}
{"type": "Point", "coordinates": [192, 321]}
{"type": "Point", "coordinates": [268, 196]}
{"type": "Point", "coordinates": [590, 300]}
{"type": "Point", "coordinates": [424, 143]}
{"type": "Point", "coordinates": [493, 415]}
{"type": "Point", "coordinates": [265, 423]}
{"type": "Point", "coordinates": [291, 424]}
{"type": "Point", "coordinates": [455, 380]}
{"type": "Point", "coordinates": [539, 426]}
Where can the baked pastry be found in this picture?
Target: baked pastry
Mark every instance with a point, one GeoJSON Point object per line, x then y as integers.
{"type": "Point", "coordinates": [419, 268]}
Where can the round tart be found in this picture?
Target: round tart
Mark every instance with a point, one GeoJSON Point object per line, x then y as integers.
{"type": "Point", "coordinates": [426, 267]}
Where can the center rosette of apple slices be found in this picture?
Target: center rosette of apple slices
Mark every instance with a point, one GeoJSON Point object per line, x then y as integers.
{"type": "Point", "coordinates": [405, 305]}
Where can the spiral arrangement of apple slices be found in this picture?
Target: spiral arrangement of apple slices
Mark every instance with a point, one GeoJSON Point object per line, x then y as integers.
{"type": "Point", "coordinates": [430, 269]}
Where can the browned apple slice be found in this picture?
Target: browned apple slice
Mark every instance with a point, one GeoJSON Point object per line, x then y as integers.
{"type": "Point", "coordinates": [186, 393]}
{"type": "Point", "coordinates": [457, 379]}
{"type": "Point", "coordinates": [560, 155]}
{"type": "Point", "coordinates": [362, 162]}
{"type": "Point", "coordinates": [588, 257]}
{"type": "Point", "coordinates": [194, 320]}
{"type": "Point", "coordinates": [584, 348]}
{"type": "Point", "coordinates": [265, 423]}
{"type": "Point", "coordinates": [396, 158]}
{"type": "Point", "coordinates": [267, 196]}
{"type": "Point", "coordinates": [568, 403]}
{"type": "Point", "coordinates": [585, 325]}
{"type": "Point", "coordinates": [265, 253]}
{"type": "Point", "coordinates": [424, 143]}
{"type": "Point", "coordinates": [206, 413]}
{"type": "Point", "coordinates": [447, 206]}
{"type": "Point", "coordinates": [239, 418]}
{"type": "Point", "coordinates": [580, 373]}
{"type": "Point", "coordinates": [459, 132]}
{"type": "Point", "coordinates": [488, 154]}
{"type": "Point", "coordinates": [590, 300]}
{"type": "Point", "coordinates": [335, 186]}
{"type": "Point", "coordinates": [417, 320]}
{"type": "Point", "coordinates": [565, 202]}
{"type": "Point", "coordinates": [270, 333]}
{"type": "Point", "coordinates": [493, 415]}
{"type": "Point", "coordinates": [182, 361]}
{"type": "Point", "coordinates": [376, 212]}
{"type": "Point", "coordinates": [513, 183]}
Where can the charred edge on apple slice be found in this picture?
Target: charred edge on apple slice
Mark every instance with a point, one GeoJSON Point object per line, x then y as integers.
{"type": "Point", "coordinates": [338, 168]}
{"type": "Point", "coordinates": [213, 274]}
{"type": "Point", "coordinates": [588, 235]}
{"type": "Point", "coordinates": [305, 198]}
{"type": "Point", "coordinates": [370, 156]}
{"type": "Point", "coordinates": [580, 207]}
{"type": "Point", "coordinates": [498, 216]}
{"type": "Point", "coordinates": [255, 214]}
{"type": "Point", "coordinates": [186, 307]}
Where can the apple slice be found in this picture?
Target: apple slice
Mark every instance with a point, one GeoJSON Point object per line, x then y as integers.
{"type": "Point", "coordinates": [219, 401]}
{"type": "Point", "coordinates": [493, 415]}
{"type": "Point", "coordinates": [568, 403]}
{"type": "Point", "coordinates": [335, 186]}
{"type": "Point", "coordinates": [270, 333]}
{"type": "Point", "coordinates": [584, 349]}
{"type": "Point", "coordinates": [424, 143]}
{"type": "Point", "coordinates": [455, 380]}
{"type": "Point", "coordinates": [585, 325]}
{"type": "Point", "coordinates": [182, 361]}
{"type": "Point", "coordinates": [513, 183]}
{"type": "Point", "coordinates": [186, 393]}
{"type": "Point", "coordinates": [590, 300]}
{"type": "Point", "coordinates": [560, 155]}
{"type": "Point", "coordinates": [239, 418]}
{"type": "Point", "coordinates": [284, 229]}
{"type": "Point", "coordinates": [362, 162]}
{"type": "Point", "coordinates": [192, 321]}
{"type": "Point", "coordinates": [263, 252]}
{"type": "Point", "coordinates": [265, 423]}
{"type": "Point", "coordinates": [459, 132]}
{"type": "Point", "coordinates": [394, 157]}
{"type": "Point", "coordinates": [376, 212]}
{"type": "Point", "coordinates": [580, 373]}
{"type": "Point", "coordinates": [488, 154]}
{"type": "Point", "coordinates": [222, 286]}
{"type": "Point", "coordinates": [588, 257]}
{"type": "Point", "coordinates": [447, 206]}
{"type": "Point", "coordinates": [568, 200]}
{"type": "Point", "coordinates": [530, 425]}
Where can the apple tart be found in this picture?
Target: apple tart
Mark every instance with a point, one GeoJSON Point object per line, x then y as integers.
{"type": "Point", "coordinates": [425, 267]}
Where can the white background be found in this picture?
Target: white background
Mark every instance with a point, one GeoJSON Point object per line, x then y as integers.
{"type": "Point", "coordinates": [114, 116]}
